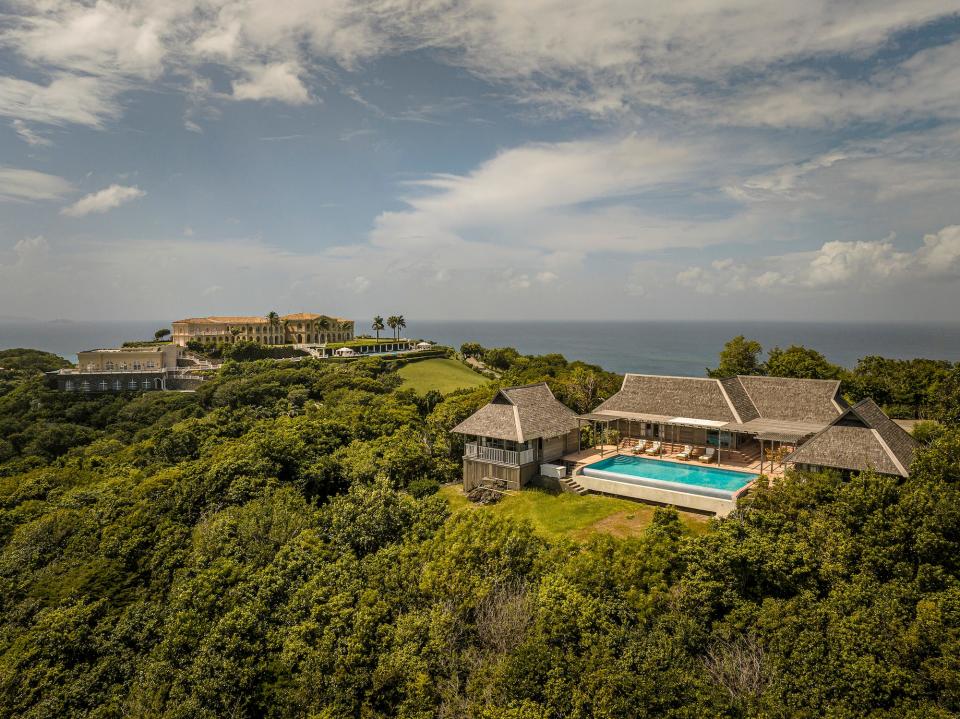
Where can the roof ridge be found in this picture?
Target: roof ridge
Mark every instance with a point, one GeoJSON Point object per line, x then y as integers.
{"type": "Point", "coordinates": [733, 408]}
{"type": "Point", "coordinates": [747, 392]}
{"type": "Point", "coordinates": [668, 376]}
{"type": "Point", "coordinates": [890, 453]}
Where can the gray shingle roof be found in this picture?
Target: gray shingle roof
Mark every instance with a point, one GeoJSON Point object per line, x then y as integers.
{"type": "Point", "coordinates": [520, 414]}
{"type": "Point", "coordinates": [862, 438]}
{"type": "Point", "coordinates": [645, 394]}
{"type": "Point", "coordinates": [740, 400]}
{"type": "Point", "coordinates": [794, 400]}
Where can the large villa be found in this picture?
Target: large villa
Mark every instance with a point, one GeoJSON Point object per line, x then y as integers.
{"type": "Point", "coordinates": [690, 442]}
{"type": "Point", "coordinates": [298, 328]}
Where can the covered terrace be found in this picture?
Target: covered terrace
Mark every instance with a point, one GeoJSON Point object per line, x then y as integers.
{"type": "Point", "coordinates": [758, 445]}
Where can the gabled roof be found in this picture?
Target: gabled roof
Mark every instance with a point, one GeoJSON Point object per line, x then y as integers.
{"type": "Point", "coordinates": [746, 403]}
{"type": "Point", "coordinates": [520, 414]}
{"type": "Point", "coordinates": [664, 396]}
{"type": "Point", "coordinates": [794, 400]}
{"type": "Point", "coordinates": [862, 438]}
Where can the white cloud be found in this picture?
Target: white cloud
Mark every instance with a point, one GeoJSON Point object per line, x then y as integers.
{"type": "Point", "coordinates": [359, 284]}
{"type": "Point", "coordinates": [28, 185]}
{"type": "Point", "coordinates": [280, 81]}
{"type": "Point", "coordinates": [596, 56]}
{"type": "Point", "coordinates": [28, 135]}
{"type": "Point", "coordinates": [66, 99]}
{"type": "Point", "coordinates": [837, 265]}
{"type": "Point", "coordinates": [103, 200]}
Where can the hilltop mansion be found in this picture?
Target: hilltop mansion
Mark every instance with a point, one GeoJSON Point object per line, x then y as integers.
{"type": "Point", "coordinates": [299, 328]}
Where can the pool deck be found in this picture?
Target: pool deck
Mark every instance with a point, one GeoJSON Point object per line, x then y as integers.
{"type": "Point", "coordinates": [665, 495]}
{"type": "Point", "coordinates": [591, 455]}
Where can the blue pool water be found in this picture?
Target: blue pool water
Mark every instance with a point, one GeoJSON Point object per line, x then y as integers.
{"type": "Point", "coordinates": [696, 478]}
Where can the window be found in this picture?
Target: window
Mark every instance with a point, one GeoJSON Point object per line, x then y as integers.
{"type": "Point", "coordinates": [151, 364]}
{"type": "Point", "coordinates": [85, 386]}
{"type": "Point", "coordinates": [68, 385]}
{"type": "Point", "coordinates": [146, 384]}
{"type": "Point", "coordinates": [123, 365]}
{"type": "Point", "coordinates": [109, 365]}
{"type": "Point", "coordinates": [137, 365]}
{"type": "Point", "coordinates": [117, 385]}
{"type": "Point", "coordinates": [91, 366]}
{"type": "Point", "coordinates": [132, 384]}
{"type": "Point", "coordinates": [103, 386]}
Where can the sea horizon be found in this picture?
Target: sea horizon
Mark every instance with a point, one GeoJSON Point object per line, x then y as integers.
{"type": "Point", "coordinates": [683, 347]}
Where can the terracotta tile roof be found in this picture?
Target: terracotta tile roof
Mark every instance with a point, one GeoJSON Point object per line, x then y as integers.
{"type": "Point", "coordinates": [252, 319]}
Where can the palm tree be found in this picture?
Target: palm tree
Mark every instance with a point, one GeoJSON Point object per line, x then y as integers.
{"type": "Point", "coordinates": [274, 319]}
{"type": "Point", "coordinates": [401, 324]}
{"type": "Point", "coordinates": [392, 324]}
{"type": "Point", "coordinates": [378, 325]}
{"type": "Point", "coordinates": [323, 324]}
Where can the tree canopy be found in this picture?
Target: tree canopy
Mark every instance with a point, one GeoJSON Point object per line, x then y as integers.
{"type": "Point", "coordinates": [271, 546]}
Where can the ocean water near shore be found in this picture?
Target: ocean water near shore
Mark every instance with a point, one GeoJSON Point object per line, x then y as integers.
{"type": "Point", "coordinates": [683, 348]}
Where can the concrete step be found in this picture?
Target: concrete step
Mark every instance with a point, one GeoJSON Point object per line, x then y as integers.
{"type": "Point", "coordinates": [569, 484]}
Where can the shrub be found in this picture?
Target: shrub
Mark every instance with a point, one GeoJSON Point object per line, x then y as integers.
{"type": "Point", "coordinates": [420, 488]}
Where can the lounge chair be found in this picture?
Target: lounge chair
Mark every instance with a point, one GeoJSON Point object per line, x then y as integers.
{"type": "Point", "coordinates": [686, 453]}
{"type": "Point", "coordinates": [653, 448]}
{"type": "Point", "coordinates": [709, 455]}
{"type": "Point", "coordinates": [640, 446]}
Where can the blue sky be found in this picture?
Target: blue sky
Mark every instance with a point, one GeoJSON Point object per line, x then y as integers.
{"type": "Point", "coordinates": [492, 159]}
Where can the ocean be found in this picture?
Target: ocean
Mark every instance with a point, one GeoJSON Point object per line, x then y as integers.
{"type": "Point", "coordinates": [681, 348]}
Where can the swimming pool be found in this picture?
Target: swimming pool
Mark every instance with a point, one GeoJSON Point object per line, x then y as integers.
{"type": "Point", "coordinates": [689, 478]}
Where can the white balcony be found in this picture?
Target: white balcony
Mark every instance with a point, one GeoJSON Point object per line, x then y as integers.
{"type": "Point", "coordinates": [499, 456]}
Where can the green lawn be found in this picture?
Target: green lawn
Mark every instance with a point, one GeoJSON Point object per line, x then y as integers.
{"type": "Point", "coordinates": [440, 374]}
{"type": "Point", "coordinates": [573, 515]}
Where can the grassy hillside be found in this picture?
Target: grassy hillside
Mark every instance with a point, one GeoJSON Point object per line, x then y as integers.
{"type": "Point", "coordinates": [572, 515]}
{"type": "Point", "coordinates": [444, 375]}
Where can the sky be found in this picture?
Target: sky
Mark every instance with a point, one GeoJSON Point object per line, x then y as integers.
{"type": "Point", "coordinates": [544, 159]}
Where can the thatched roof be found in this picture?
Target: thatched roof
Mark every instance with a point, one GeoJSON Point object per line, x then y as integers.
{"type": "Point", "coordinates": [862, 438]}
{"type": "Point", "coordinates": [747, 404]}
{"type": "Point", "coordinates": [520, 414]}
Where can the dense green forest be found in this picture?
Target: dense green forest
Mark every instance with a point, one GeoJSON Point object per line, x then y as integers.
{"type": "Point", "coordinates": [272, 546]}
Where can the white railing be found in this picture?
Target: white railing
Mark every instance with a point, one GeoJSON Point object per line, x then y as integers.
{"type": "Point", "coordinates": [500, 456]}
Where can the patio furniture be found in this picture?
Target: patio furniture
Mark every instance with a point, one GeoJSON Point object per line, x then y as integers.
{"type": "Point", "coordinates": [640, 446]}
{"type": "Point", "coordinates": [653, 448]}
{"type": "Point", "coordinates": [709, 455]}
{"type": "Point", "coordinates": [686, 453]}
